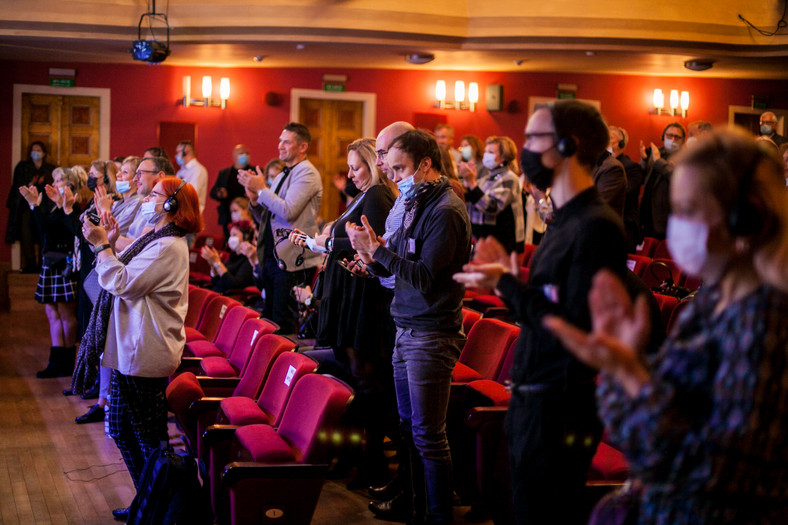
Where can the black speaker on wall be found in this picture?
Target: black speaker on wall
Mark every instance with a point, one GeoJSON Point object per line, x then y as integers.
{"type": "Point", "coordinates": [494, 100]}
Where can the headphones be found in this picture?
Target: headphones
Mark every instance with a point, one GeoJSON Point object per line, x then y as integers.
{"type": "Point", "coordinates": [171, 204]}
{"type": "Point", "coordinates": [565, 146]}
{"type": "Point", "coordinates": [623, 142]}
{"type": "Point", "coordinates": [745, 217]}
{"type": "Point", "coordinates": [280, 262]}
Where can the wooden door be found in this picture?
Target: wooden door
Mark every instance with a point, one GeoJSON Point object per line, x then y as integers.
{"type": "Point", "coordinates": [333, 124]}
{"type": "Point", "coordinates": [69, 126]}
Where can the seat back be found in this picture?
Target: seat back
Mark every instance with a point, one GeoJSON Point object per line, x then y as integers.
{"type": "Point", "coordinates": [637, 264]}
{"type": "Point", "coordinates": [198, 301]}
{"type": "Point", "coordinates": [264, 353]}
{"type": "Point", "coordinates": [214, 315]}
{"type": "Point", "coordinates": [504, 374]}
{"type": "Point", "coordinates": [314, 410]}
{"type": "Point", "coordinates": [647, 247]}
{"type": "Point", "coordinates": [242, 350]}
{"type": "Point", "coordinates": [667, 304]}
{"type": "Point", "coordinates": [287, 370]}
{"type": "Point", "coordinates": [661, 251]}
{"type": "Point", "coordinates": [527, 255]}
{"type": "Point", "coordinates": [469, 318]}
{"type": "Point", "coordinates": [230, 328]}
{"type": "Point", "coordinates": [674, 315]}
{"type": "Point", "coordinates": [487, 342]}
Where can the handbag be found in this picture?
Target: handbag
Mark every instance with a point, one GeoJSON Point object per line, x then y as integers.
{"type": "Point", "coordinates": [667, 287]}
{"type": "Point", "coordinates": [91, 286]}
{"type": "Point", "coordinates": [620, 507]}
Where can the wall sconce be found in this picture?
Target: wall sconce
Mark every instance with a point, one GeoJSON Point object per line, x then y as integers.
{"type": "Point", "coordinates": [459, 95]}
{"type": "Point", "coordinates": [679, 103]}
{"type": "Point", "coordinates": [207, 91]}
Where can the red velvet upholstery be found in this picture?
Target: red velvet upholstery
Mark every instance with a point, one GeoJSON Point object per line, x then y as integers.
{"type": "Point", "coordinates": [235, 364]}
{"type": "Point", "coordinates": [647, 247]}
{"type": "Point", "coordinates": [312, 415]}
{"type": "Point", "coordinates": [225, 337]}
{"type": "Point", "coordinates": [637, 264]}
{"type": "Point", "coordinates": [608, 464]}
{"type": "Point", "coordinates": [666, 305]}
{"type": "Point", "coordinates": [469, 318]}
{"type": "Point", "coordinates": [527, 255]}
{"type": "Point", "coordinates": [484, 350]}
{"type": "Point", "coordinates": [674, 315]}
{"type": "Point", "coordinates": [198, 300]}
{"type": "Point", "coordinates": [211, 320]}
{"type": "Point", "coordinates": [661, 250]}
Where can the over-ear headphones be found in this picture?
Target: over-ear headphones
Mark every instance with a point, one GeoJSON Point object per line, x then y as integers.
{"type": "Point", "coordinates": [623, 142]}
{"type": "Point", "coordinates": [745, 218]}
{"type": "Point", "coordinates": [171, 204]}
{"type": "Point", "coordinates": [565, 146]}
{"type": "Point", "coordinates": [280, 262]}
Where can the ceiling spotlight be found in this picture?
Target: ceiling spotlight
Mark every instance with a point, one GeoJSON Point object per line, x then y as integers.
{"type": "Point", "coordinates": [419, 58]}
{"type": "Point", "coordinates": [699, 64]}
{"type": "Point", "coordinates": [300, 47]}
{"type": "Point", "coordinates": [590, 53]}
{"type": "Point", "coordinates": [519, 62]}
{"type": "Point", "coordinates": [258, 58]}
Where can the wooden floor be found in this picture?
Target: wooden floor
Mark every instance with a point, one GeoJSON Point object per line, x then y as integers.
{"type": "Point", "coordinates": [53, 471]}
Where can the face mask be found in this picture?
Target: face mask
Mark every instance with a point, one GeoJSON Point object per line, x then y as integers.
{"type": "Point", "coordinates": [610, 150]}
{"type": "Point", "coordinates": [687, 244]}
{"type": "Point", "coordinates": [671, 146]}
{"type": "Point", "coordinates": [765, 130]}
{"type": "Point", "coordinates": [148, 210]}
{"type": "Point", "coordinates": [466, 152]}
{"type": "Point", "coordinates": [488, 160]}
{"type": "Point", "coordinates": [243, 159]}
{"type": "Point", "coordinates": [123, 186]}
{"type": "Point", "coordinates": [92, 183]}
{"type": "Point", "coordinates": [235, 216]}
{"type": "Point", "coordinates": [179, 160]}
{"type": "Point", "coordinates": [233, 243]}
{"type": "Point", "coordinates": [406, 186]}
{"type": "Point", "coordinates": [537, 173]}
{"type": "Point", "coordinates": [36, 156]}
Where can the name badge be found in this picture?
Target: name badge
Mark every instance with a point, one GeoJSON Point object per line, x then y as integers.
{"type": "Point", "coordinates": [411, 245]}
{"type": "Point", "coordinates": [551, 292]}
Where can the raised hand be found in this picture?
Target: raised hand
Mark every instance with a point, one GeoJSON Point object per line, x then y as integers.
{"type": "Point", "coordinates": [363, 239]}
{"type": "Point", "coordinates": [111, 225]}
{"type": "Point", "coordinates": [31, 195]}
{"type": "Point", "coordinates": [253, 181]}
{"type": "Point", "coordinates": [102, 199]}
{"type": "Point", "coordinates": [54, 195]}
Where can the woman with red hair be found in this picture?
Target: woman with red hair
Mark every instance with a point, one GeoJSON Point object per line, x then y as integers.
{"type": "Point", "coordinates": [137, 320]}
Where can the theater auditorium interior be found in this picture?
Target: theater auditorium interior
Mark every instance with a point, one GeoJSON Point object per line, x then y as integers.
{"type": "Point", "coordinates": [96, 80]}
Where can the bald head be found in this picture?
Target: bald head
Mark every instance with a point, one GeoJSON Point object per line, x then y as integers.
{"type": "Point", "coordinates": [385, 137]}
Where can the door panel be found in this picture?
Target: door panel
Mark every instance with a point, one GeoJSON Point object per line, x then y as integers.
{"type": "Point", "coordinates": [333, 124]}
{"type": "Point", "coordinates": [41, 116]}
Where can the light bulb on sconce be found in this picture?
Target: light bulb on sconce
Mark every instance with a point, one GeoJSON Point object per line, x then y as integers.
{"type": "Point", "coordinates": [679, 103]}
{"type": "Point", "coordinates": [459, 95]}
{"type": "Point", "coordinates": [207, 92]}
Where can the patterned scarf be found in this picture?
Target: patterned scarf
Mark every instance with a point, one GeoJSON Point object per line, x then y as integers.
{"type": "Point", "coordinates": [95, 337]}
{"type": "Point", "coordinates": [412, 204]}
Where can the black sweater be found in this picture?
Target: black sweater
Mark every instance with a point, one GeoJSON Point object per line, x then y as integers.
{"type": "Point", "coordinates": [585, 236]}
{"type": "Point", "coordinates": [424, 259]}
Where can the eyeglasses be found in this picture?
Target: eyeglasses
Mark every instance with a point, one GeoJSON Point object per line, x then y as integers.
{"type": "Point", "coordinates": [768, 122]}
{"type": "Point", "coordinates": [673, 136]}
{"type": "Point", "coordinates": [140, 172]}
{"type": "Point", "coordinates": [381, 153]}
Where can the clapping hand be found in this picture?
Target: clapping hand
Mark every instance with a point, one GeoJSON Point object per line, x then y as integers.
{"type": "Point", "coordinates": [110, 224]}
{"type": "Point", "coordinates": [467, 172]}
{"type": "Point", "coordinates": [31, 195]}
{"type": "Point", "coordinates": [102, 199]}
{"type": "Point", "coordinates": [54, 195]}
{"type": "Point", "coordinates": [363, 239]}
{"type": "Point", "coordinates": [619, 329]}
{"type": "Point", "coordinates": [253, 181]}
{"type": "Point", "coordinates": [210, 254]}
{"type": "Point", "coordinates": [489, 263]}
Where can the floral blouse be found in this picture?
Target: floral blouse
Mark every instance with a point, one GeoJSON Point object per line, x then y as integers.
{"type": "Point", "coordinates": [708, 437]}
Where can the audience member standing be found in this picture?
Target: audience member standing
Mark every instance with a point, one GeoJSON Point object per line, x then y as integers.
{"type": "Point", "coordinates": [32, 171]}
{"type": "Point", "coordinates": [552, 424]}
{"type": "Point", "coordinates": [495, 201]}
{"type": "Point", "coordinates": [657, 163]}
{"type": "Point", "coordinates": [430, 246]}
{"type": "Point", "coordinates": [768, 128]}
{"type": "Point", "coordinates": [292, 201]}
{"type": "Point", "coordinates": [192, 171]}
{"type": "Point", "coordinates": [444, 135]}
{"type": "Point", "coordinates": [619, 138]}
{"type": "Point", "coordinates": [610, 179]}
{"type": "Point", "coordinates": [226, 188]}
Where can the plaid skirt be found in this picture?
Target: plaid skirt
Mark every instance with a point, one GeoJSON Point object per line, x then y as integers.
{"type": "Point", "coordinates": [52, 287]}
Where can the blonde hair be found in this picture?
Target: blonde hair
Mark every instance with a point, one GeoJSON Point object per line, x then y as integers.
{"type": "Point", "coordinates": [109, 169]}
{"type": "Point", "coordinates": [365, 148]}
{"type": "Point", "coordinates": [741, 174]}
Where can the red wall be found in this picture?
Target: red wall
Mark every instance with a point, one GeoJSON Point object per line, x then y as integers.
{"type": "Point", "coordinates": [143, 95]}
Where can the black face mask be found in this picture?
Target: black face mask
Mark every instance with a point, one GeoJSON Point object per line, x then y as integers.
{"type": "Point", "coordinates": [350, 188]}
{"type": "Point", "coordinates": [537, 173]}
{"type": "Point", "coordinates": [92, 183]}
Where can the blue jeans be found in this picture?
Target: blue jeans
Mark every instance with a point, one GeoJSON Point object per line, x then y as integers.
{"type": "Point", "coordinates": [423, 362]}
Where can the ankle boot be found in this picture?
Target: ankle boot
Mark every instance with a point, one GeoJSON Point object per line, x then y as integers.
{"type": "Point", "coordinates": [54, 367]}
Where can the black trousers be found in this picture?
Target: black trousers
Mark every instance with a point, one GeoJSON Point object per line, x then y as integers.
{"type": "Point", "coordinates": [552, 438]}
{"type": "Point", "coordinates": [280, 303]}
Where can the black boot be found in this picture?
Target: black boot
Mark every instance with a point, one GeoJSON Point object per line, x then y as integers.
{"type": "Point", "coordinates": [56, 366]}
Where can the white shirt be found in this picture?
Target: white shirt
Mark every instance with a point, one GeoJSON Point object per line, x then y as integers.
{"type": "Point", "coordinates": [195, 174]}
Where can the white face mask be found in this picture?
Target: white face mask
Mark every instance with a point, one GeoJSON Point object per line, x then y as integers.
{"type": "Point", "coordinates": [62, 190]}
{"type": "Point", "coordinates": [235, 216]}
{"type": "Point", "coordinates": [489, 160]}
{"type": "Point", "coordinates": [233, 243]}
{"type": "Point", "coordinates": [148, 210]}
{"type": "Point", "coordinates": [671, 146]}
{"type": "Point", "coordinates": [466, 152]}
{"type": "Point", "coordinates": [687, 244]}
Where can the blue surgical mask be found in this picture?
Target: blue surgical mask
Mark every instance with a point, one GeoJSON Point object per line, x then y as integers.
{"type": "Point", "coordinates": [406, 186]}
{"type": "Point", "coordinates": [179, 160]}
{"type": "Point", "coordinates": [243, 159]}
{"type": "Point", "coordinates": [36, 156]}
{"type": "Point", "coordinates": [765, 130]}
{"type": "Point", "coordinates": [488, 160]}
{"type": "Point", "coordinates": [123, 186]}
{"type": "Point", "coordinates": [148, 210]}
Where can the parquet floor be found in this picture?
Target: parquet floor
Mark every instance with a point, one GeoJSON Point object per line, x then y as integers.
{"type": "Point", "coordinates": [53, 471]}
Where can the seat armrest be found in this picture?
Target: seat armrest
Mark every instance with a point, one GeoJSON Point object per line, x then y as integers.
{"type": "Point", "coordinates": [242, 470]}
{"type": "Point", "coordinates": [482, 415]}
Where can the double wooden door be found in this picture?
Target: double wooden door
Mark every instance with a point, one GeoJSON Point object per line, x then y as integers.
{"type": "Point", "coordinates": [333, 124]}
{"type": "Point", "coordinates": [69, 126]}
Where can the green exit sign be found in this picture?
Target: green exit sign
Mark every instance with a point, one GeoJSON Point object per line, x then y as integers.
{"type": "Point", "coordinates": [61, 82]}
{"type": "Point", "coordinates": [566, 95]}
{"type": "Point", "coordinates": [334, 87]}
